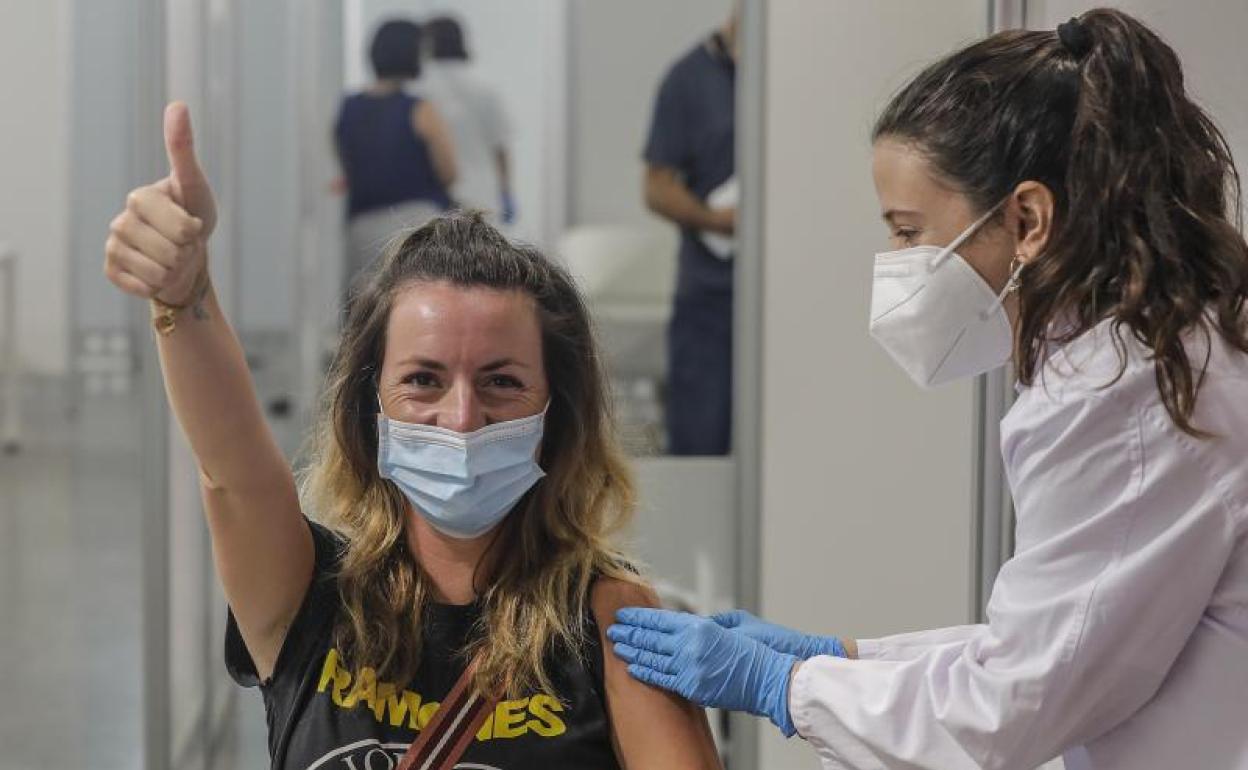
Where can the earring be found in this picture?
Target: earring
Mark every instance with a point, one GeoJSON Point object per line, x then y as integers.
{"type": "Point", "coordinates": [1016, 267]}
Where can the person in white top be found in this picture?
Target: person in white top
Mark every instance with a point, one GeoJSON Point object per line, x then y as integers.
{"type": "Point", "coordinates": [1058, 199]}
{"type": "Point", "coordinates": [477, 118]}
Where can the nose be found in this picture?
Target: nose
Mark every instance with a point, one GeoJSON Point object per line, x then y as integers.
{"type": "Point", "coordinates": [461, 410]}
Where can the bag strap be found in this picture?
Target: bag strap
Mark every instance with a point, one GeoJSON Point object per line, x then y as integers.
{"type": "Point", "coordinates": [445, 739]}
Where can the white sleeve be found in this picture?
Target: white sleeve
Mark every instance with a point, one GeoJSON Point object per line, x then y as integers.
{"type": "Point", "coordinates": [911, 645]}
{"type": "Point", "coordinates": [1123, 536]}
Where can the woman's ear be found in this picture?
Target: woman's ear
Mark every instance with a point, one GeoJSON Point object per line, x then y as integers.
{"type": "Point", "coordinates": [1033, 204]}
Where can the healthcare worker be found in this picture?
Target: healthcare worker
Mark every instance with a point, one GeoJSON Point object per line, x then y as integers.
{"type": "Point", "coordinates": [1061, 199]}
{"type": "Point", "coordinates": [690, 157]}
{"type": "Point", "coordinates": [396, 151]}
{"type": "Point", "coordinates": [474, 111]}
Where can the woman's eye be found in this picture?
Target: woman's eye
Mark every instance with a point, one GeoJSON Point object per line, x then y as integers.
{"type": "Point", "coordinates": [503, 381]}
{"type": "Point", "coordinates": [905, 236]}
{"type": "Point", "coordinates": [422, 379]}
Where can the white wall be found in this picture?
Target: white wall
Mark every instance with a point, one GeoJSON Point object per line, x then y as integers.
{"type": "Point", "coordinates": [34, 169]}
{"type": "Point", "coordinates": [866, 480]}
{"type": "Point", "coordinates": [620, 52]}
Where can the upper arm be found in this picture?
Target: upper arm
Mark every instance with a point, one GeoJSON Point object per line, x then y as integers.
{"type": "Point", "coordinates": [651, 728]}
{"type": "Point", "coordinates": [1122, 540]}
{"type": "Point", "coordinates": [264, 556]}
{"type": "Point", "coordinates": [667, 143]}
{"type": "Point", "coordinates": [428, 124]}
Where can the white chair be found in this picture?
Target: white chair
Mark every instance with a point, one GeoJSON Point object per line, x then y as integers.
{"type": "Point", "coordinates": [10, 395]}
{"type": "Point", "coordinates": [628, 274]}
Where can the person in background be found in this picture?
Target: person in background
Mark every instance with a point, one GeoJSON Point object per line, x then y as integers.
{"type": "Point", "coordinates": [478, 121]}
{"type": "Point", "coordinates": [397, 155]}
{"type": "Point", "coordinates": [689, 156]}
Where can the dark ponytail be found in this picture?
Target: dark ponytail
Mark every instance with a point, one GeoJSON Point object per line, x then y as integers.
{"type": "Point", "coordinates": [1147, 228]}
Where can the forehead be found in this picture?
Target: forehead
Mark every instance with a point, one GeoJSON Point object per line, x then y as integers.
{"type": "Point", "coordinates": [443, 321]}
{"type": "Point", "coordinates": [906, 180]}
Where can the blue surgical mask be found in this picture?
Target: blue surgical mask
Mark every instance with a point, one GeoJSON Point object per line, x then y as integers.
{"type": "Point", "coordinates": [464, 484]}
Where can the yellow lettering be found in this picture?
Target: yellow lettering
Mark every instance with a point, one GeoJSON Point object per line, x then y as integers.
{"type": "Point", "coordinates": [426, 714]}
{"type": "Point", "coordinates": [487, 729]}
{"type": "Point", "coordinates": [365, 689]}
{"type": "Point", "coordinates": [342, 680]}
{"type": "Point", "coordinates": [329, 671]}
{"type": "Point", "coordinates": [509, 719]}
{"type": "Point", "coordinates": [397, 707]}
{"type": "Point", "coordinates": [545, 724]}
{"type": "Point", "coordinates": [539, 714]}
{"type": "Point", "coordinates": [385, 699]}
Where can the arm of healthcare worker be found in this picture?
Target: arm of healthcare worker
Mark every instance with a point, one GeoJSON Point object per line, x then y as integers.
{"type": "Point", "coordinates": [669, 148]}
{"type": "Point", "coordinates": [1085, 622]}
{"type": "Point", "coordinates": [650, 728]}
{"type": "Point", "coordinates": [158, 248]}
{"type": "Point", "coordinates": [910, 645]}
{"type": "Point", "coordinates": [667, 196]}
{"type": "Point", "coordinates": [428, 124]}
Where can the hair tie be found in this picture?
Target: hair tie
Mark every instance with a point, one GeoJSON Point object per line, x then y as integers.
{"type": "Point", "coordinates": [1075, 37]}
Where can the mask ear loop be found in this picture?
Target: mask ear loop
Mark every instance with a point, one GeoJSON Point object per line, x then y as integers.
{"type": "Point", "coordinates": [964, 237]}
{"type": "Point", "coordinates": [1011, 286]}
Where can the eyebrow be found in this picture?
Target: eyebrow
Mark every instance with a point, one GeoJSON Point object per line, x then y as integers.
{"type": "Point", "coordinates": [501, 363]}
{"type": "Point", "coordinates": [892, 214]}
{"type": "Point", "coordinates": [438, 366]}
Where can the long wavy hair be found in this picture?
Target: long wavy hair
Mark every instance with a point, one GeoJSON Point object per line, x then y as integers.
{"type": "Point", "coordinates": [1147, 226]}
{"type": "Point", "coordinates": [556, 539]}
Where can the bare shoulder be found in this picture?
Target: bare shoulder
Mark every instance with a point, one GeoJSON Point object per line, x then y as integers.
{"type": "Point", "coordinates": [612, 594]}
{"type": "Point", "coordinates": [651, 728]}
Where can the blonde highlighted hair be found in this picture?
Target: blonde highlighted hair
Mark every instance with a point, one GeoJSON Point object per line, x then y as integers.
{"type": "Point", "coordinates": [555, 541]}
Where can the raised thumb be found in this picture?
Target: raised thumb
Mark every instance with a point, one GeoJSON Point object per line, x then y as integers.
{"type": "Point", "coordinates": [180, 147]}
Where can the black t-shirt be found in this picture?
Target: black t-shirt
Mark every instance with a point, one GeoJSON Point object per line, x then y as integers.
{"type": "Point", "coordinates": [693, 130]}
{"type": "Point", "coordinates": [326, 714]}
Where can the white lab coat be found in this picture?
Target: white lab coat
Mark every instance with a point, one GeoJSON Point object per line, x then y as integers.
{"type": "Point", "coordinates": [1117, 634]}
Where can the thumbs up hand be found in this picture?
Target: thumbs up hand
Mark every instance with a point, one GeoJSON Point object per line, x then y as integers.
{"type": "Point", "coordinates": [186, 179]}
{"type": "Point", "coordinates": [157, 246]}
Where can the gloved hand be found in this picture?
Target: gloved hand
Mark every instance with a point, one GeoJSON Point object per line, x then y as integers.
{"type": "Point", "coordinates": [700, 661]}
{"type": "Point", "coordinates": [779, 638]}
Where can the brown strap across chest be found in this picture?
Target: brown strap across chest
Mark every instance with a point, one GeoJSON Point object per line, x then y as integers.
{"type": "Point", "coordinates": [445, 739]}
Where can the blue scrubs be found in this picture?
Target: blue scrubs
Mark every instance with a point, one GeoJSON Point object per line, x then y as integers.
{"type": "Point", "coordinates": [692, 131]}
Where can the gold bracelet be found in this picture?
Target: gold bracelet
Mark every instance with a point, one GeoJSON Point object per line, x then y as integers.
{"type": "Point", "coordinates": [164, 314]}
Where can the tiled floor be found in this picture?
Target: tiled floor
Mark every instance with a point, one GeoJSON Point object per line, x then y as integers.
{"type": "Point", "coordinates": [69, 587]}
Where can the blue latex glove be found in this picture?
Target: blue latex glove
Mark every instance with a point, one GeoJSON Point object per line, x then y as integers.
{"type": "Point", "coordinates": [508, 213]}
{"type": "Point", "coordinates": [779, 638]}
{"type": "Point", "coordinates": [703, 662]}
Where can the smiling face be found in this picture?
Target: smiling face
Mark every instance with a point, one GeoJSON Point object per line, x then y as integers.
{"type": "Point", "coordinates": [462, 358]}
